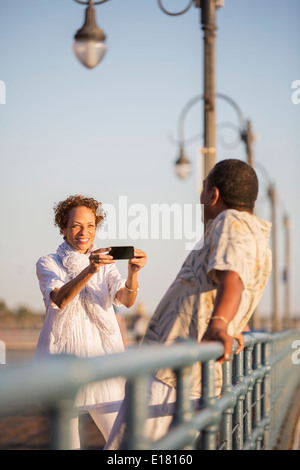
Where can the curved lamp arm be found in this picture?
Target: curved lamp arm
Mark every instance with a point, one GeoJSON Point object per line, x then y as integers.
{"type": "Point", "coordinates": [90, 2]}
{"type": "Point", "coordinates": [183, 114]}
{"type": "Point", "coordinates": [235, 106]}
{"type": "Point", "coordinates": [175, 14]}
{"type": "Point", "coordinates": [198, 98]}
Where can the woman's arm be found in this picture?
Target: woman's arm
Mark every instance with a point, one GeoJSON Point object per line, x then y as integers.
{"type": "Point", "coordinates": [127, 294]}
{"type": "Point", "coordinates": [61, 297]}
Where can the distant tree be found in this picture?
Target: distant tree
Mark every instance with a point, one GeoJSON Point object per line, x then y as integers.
{"type": "Point", "coordinates": [6, 315]}
{"type": "Point", "coordinates": [22, 316]}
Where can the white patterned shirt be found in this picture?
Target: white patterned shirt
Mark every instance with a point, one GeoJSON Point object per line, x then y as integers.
{"type": "Point", "coordinates": [235, 241]}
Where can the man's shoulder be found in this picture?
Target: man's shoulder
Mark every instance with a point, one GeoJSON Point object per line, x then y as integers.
{"type": "Point", "coordinates": [241, 227]}
{"type": "Point", "coordinates": [238, 221]}
{"type": "Point", "coordinates": [233, 215]}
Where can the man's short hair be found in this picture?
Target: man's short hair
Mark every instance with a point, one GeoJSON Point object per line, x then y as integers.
{"type": "Point", "coordinates": [237, 183]}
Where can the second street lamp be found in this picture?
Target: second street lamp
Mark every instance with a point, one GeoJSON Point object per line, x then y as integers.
{"type": "Point", "coordinates": [182, 165]}
{"type": "Point", "coordinates": [89, 45]}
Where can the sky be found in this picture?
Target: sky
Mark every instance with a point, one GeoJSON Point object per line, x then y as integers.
{"type": "Point", "coordinates": [111, 132]}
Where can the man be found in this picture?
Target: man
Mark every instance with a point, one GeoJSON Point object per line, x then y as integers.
{"type": "Point", "coordinates": [215, 292]}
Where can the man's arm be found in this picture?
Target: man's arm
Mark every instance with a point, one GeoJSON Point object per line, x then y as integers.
{"type": "Point", "coordinates": [229, 294]}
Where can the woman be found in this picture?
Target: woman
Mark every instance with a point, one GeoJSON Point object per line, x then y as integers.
{"type": "Point", "coordinates": [80, 284]}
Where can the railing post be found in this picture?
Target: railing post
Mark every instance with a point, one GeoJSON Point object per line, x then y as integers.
{"type": "Point", "coordinates": [64, 426]}
{"type": "Point", "coordinates": [208, 400]}
{"type": "Point", "coordinates": [257, 394]}
{"type": "Point", "coordinates": [238, 417]}
{"type": "Point", "coordinates": [248, 399]}
{"type": "Point", "coordinates": [137, 413]}
{"type": "Point", "coordinates": [183, 407]}
{"type": "Point", "coordinates": [226, 423]}
{"type": "Point", "coordinates": [267, 393]}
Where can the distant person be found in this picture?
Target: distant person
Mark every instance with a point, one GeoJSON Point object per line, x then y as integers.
{"type": "Point", "coordinates": [80, 283]}
{"type": "Point", "coordinates": [140, 322]}
{"type": "Point", "coordinates": [215, 292]}
{"type": "Point", "coordinates": [122, 326]}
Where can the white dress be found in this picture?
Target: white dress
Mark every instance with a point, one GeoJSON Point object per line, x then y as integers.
{"type": "Point", "coordinates": [83, 338]}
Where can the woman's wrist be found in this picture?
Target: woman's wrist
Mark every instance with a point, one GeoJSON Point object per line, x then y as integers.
{"type": "Point", "coordinates": [91, 269]}
{"type": "Point", "coordinates": [131, 281]}
{"type": "Point", "coordinates": [132, 291]}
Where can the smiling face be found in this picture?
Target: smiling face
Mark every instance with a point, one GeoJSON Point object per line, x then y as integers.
{"type": "Point", "coordinates": [81, 228]}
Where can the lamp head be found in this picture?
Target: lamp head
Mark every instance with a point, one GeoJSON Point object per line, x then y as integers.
{"type": "Point", "coordinates": [182, 164]}
{"type": "Point", "coordinates": [89, 45]}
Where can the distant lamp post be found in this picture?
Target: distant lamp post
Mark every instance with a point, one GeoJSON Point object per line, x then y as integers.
{"type": "Point", "coordinates": [89, 45]}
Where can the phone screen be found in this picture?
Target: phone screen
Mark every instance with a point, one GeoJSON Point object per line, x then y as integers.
{"type": "Point", "coordinates": [122, 252]}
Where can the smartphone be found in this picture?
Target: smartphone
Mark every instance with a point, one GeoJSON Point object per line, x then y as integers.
{"type": "Point", "coordinates": [122, 252]}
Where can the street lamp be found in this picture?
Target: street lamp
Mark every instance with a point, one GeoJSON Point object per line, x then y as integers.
{"type": "Point", "coordinates": [89, 45]}
{"type": "Point", "coordinates": [182, 164]}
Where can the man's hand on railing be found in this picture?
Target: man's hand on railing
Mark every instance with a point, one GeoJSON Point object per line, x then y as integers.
{"type": "Point", "coordinates": [228, 299]}
{"type": "Point", "coordinates": [221, 335]}
{"type": "Point", "coordinates": [240, 340]}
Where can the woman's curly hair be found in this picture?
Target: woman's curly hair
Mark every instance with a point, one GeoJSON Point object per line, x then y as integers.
{"type": "Point", "coordinates": [62, 209]}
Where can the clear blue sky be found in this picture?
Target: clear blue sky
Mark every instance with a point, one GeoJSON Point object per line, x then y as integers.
{"type": "Point", "coordinates": [104, 132]}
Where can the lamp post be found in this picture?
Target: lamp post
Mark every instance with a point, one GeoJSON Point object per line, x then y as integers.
{"type": "Point", "coordinates": [89, 45]}
{"type": "Point", "coordinates": [287, 310]}
{"type": "Point", "coordinates": [208, 21]}
{"type": "Point", "coordinates": [273, 200]}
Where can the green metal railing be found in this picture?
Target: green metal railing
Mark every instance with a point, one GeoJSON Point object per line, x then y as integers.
{"type": "Point", "coordinates": [258, 387]}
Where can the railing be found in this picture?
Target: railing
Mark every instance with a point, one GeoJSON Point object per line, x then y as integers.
{"type": "Point", "coordinates": [258, 387]}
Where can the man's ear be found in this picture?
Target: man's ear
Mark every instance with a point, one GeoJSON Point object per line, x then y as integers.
{"type": "Point", "coordinates": [215, 196]}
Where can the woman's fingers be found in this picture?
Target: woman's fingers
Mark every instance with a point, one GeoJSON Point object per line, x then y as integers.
{"type": "Point", "coordinates": [140, 258]}
{"type": "Point", "coordinates": [102, 259]}
{"type": "Point", "coordinates": [101, 250]}
{"type": "Point", "coordinates": [101, 256]}
{"type": "Point", "coordinates": [97, 258]}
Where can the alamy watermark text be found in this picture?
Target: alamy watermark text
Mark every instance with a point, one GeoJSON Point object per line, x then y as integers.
{"type": "Point", "coordinates": [155, 222]}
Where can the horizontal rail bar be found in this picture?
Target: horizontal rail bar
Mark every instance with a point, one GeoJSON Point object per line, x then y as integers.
{"type": "Point", "coordinates": [265, 384]}
{"type": "Point", "coordinates": [63, 375]}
